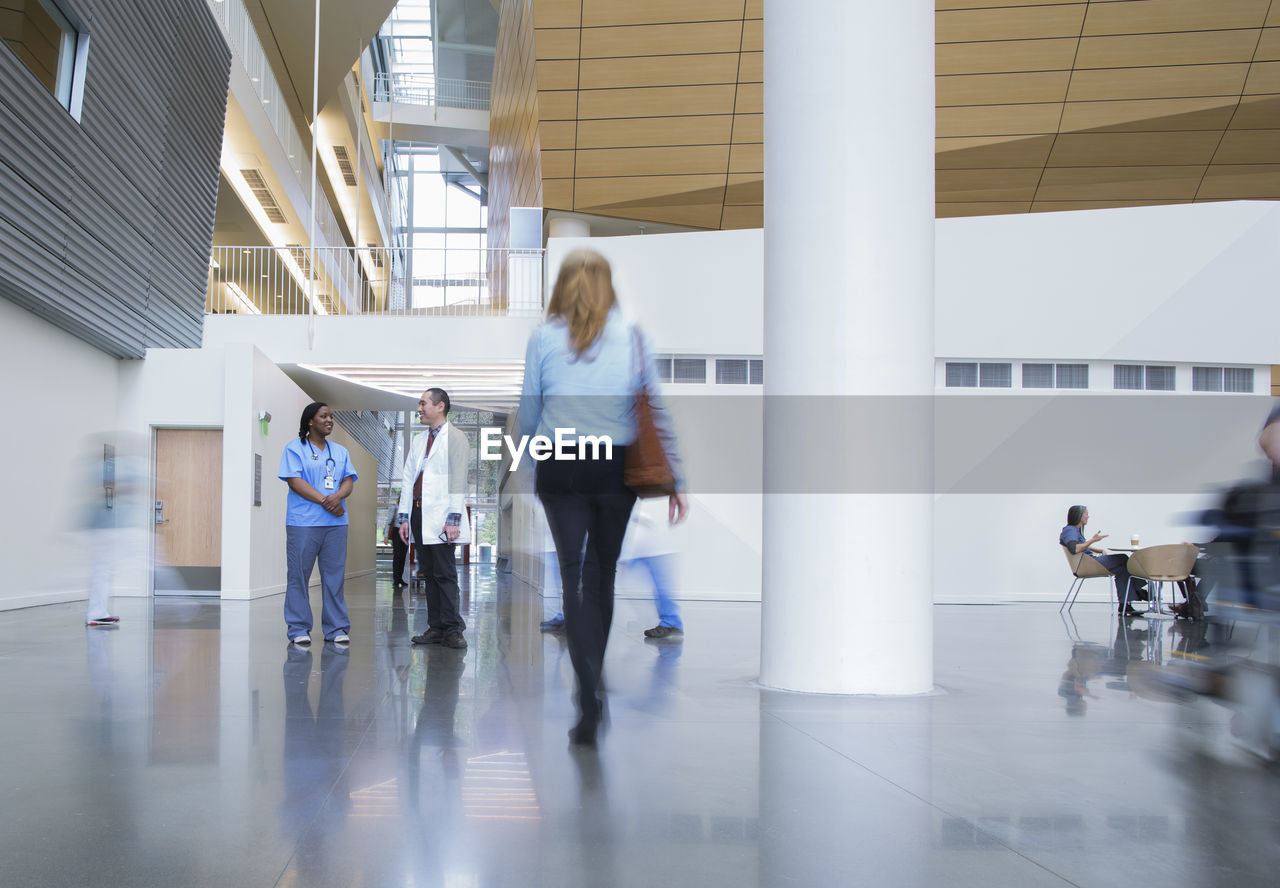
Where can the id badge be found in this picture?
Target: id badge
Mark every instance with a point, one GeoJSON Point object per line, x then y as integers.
{"type": "Point", "coordinates": [328, 484]}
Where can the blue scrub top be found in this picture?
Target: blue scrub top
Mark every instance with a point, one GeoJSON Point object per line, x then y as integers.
{"type": "Point", "coordinates": [301, 460]}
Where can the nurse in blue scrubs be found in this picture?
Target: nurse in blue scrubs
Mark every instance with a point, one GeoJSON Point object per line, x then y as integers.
{"type": "Point", "coordinates": [320, 478]}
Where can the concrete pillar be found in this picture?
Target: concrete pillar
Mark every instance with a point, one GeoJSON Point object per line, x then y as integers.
{"type": "Point", "coordinates": [848, 345]}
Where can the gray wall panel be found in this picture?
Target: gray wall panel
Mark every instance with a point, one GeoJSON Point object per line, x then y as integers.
{"type": "Point", "coordinates": [106, 224]}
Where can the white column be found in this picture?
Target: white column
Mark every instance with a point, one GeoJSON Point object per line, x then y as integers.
{"type": "Point", "coordinates": [567, 226]}
{"type": "Point", "coordinates": [848, 320]}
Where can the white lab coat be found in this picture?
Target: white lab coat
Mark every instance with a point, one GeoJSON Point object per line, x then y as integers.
{"type": "Point", "coordinates": [444, 481]}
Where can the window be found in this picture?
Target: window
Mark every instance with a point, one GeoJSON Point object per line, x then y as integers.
{"type": "Point", "coordinates": [1129, 377]}
{"type": "Point", "coordinates": [961, 375]}
{"type": "Point", "coordinates": [691, 370]}
{"type": "Point", "coordinates": [42, 38]}
{"type": "Point", "coordinates": [663, 363]}
{"type": "Point", "coordinates": [757, 372]}
{"type": "Point", "coordinates": [1237, 379]}
{"type": "Point", "coordinates": [1160, 379]}
{"type": "Point", "coordinates": [1037, 376]}
{"type": "Point", "coordinates": [1206, 379]}
{"type": "Point", "coordinates": [1073, 376]}
{"type": "Point", "coordinates": [731, 371]}
{"type": "Point", "coordinates": [995, 375]}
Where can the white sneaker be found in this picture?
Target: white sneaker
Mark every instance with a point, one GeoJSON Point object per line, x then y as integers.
{"type": "Point", "coordinates": [303, 639]}
{"type": "Point", "coordinates": [341, 638]}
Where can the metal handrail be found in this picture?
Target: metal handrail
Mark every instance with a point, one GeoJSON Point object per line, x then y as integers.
{"type": "Point", "coordinates": [426, 282]}
{"type": "Point", "coordinates": [414, 88]}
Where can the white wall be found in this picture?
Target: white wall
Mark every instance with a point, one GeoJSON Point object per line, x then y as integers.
{"type": "Point", "coordinates": [60, 395]}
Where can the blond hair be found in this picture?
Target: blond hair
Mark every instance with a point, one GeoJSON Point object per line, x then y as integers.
{"type": "Point", "coordinates": [583, 296]}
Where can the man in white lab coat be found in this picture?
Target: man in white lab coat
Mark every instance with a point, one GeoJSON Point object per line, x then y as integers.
{"type": "Point", "coordinates": [431, 508]}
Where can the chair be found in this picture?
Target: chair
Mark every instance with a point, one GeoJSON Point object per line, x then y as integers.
{"type": "Point", "coordinates": [1082, 568]}
{"type": "Point", "coordinates": [1162, 564]}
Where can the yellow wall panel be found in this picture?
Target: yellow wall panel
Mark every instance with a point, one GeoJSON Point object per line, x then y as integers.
{"type": "Point", "coordinates": [748, 127]}
{"type": "Point", "coordinates": [1257, 146]}
{"type": "Point", "coordinates": [644, 40]}
{"type": "Point", "coordinates": [1257, 112]}
{"type": "Point", "coordinates": [744, 216]}
{"type": "Point", "coordinates": [1004, 56]}
{"type": "Point", "coordinates": [1003, 185]}
{"type": "Point", "coordinates": [992, 89]}
{"type": "Point", "coordinates": [652, 131]}
{"type": "Point", "coordinates": [751, 67]}
{"type": "Point", "coordinates": [1015, 23]}
{"type": "Point", "coordinates": [985, 120]}
{"type": "Point", "coordinates": [651, 190]}
{"type": "Point", "coordinates": [950, 210]}
{"type": "Point", "coordinates": [603, 13]}
{"type": "Point", "coordinates": [1264, 77]}
{"type": "Point", "coordinates": [1183, 81]}
{"type": "Point", "coordinates": [557, 133]}
{"type": "Point", "coordinates": [941, 5]}
{"type": "Point", "coordinates": [556, 43]}
{"type": "Point", "coordinates": [746, 159]}
{"type": "Point", "coordinates": [1174, 15]}
{"type": "Point", "coordinates": [556, 13]}
{"type": "Point", "coordinates": [665, 70]}
{"type": "Point", "coordinates": [655, 101]}
{"type": "Point", "coordinates": [753, 35]}
{"type": "Point", "coordinates": [1268, 46]}
{"type": "Point", "coordinates": [557, 164]}
{"type": "Point", "coordinates": [1061, 206]}
{"type": "Point", "coordinates": [558, 104]}
{"type": "Point", "coordinates": [557, 194]}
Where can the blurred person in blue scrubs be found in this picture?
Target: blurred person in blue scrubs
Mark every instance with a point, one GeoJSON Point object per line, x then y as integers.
{"type": "Point", "coordinates": [320, 477]}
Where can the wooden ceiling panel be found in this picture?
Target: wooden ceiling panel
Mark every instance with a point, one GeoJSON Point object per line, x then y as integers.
{"type": "Point", "coordinates": [557, 133]}
{"type": "Point", "coordinates": [651, 40]}
{"type": "Point", "coordinates": [1012, 23]}
{"type": "Point", "coordinates": [747, 159]}
{"type": "Point", "coordinates": [653, 111]}
{"type": "Point", "coordinates": [952, 210]}
{"type": "Point", "coordinates": [992, 152]}
{"type": "Point", "coordinates": [654, 101]}
{"type": "Point", "coordinates": [1268, 46]}
{"type": "Point", "coordinates": [640, 132]}
{"type": "Point", "coordinates": [558, 104]}
{"type": "Point", "coordinates": [743, 216]}
{"type": "Point", "coordinates": [638, 191]}
{"type": "Point", "coordinates": [1256, 146]}
{"type": "Point", "coordinates": [557, 13]}
{"type": "Point", "coordinates": [606, 13]}
{"type": "Point", "coordinates": [992, 89]}
{"type": "Point", "coordinates": [1149, 115]}
{"type": "Point", "coordinates": [558, 74]}
{"type": "Point", "coordinates": [1184, 81]}
{"type": "Point", "coordinates": [556, 43]}
{"type": "Point", "coordinates": [594, 163]}
{"type": "Point", "coordinates": [960, 186]}
{"type": "Point", "coordinates": [1264, 77]}
{"type": "Point", "coordinates": [681, 70]}
{"type": "Point", "coordinates": [1257, 112]}
{"type": "Point", "coordinates": [1174, 15]}
{"type": "Point", "coordinates": [997, 120]}
{"type": "Point", "coordinates": [1254, 182]}
{"type": "Point", "coordinates": [1153, 50]}
{"type": "Point", "coordinates": [1009, 56]}
{"type": "Point", "coordinates": [1133, 149]}
{"type": "Point", "coordinates": [1171, 183]}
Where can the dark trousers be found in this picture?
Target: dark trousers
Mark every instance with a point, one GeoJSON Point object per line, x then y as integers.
{"type": "Point", "coordinates": [1118, 565]}
{"type": "Point", "coordinates": [399, 552]}
{"type": "Point", "coordinates": [436, 565]}
{"type": "Point", "coordinates": [587, 508]}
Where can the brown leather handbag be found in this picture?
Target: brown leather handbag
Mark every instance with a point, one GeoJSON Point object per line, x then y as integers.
{"type": "Point", "coordinates": [647, 471]}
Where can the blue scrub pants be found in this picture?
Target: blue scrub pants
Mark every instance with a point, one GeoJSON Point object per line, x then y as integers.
{"type": "Point", "coordinates": [304, 547]}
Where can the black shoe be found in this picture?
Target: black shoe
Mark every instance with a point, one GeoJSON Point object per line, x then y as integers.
{"type": "Point", "coordinates": [661, 631]}
{"type": "Point", "coordinates": [431, 636]}
{"type": "Point", "coordinates": [454, 640]}
{"type": "Point", "coordinates": [584, 732]}
{"type": "Point", "coordinates": [1130, 612]}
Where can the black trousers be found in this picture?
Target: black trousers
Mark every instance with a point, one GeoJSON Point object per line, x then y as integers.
{"type": "Point", "coordinates": [399, 552]}
{"type": "Point", "coordinates": [587, 508]}
{"type": "Point", "coordinates": [436, 564]}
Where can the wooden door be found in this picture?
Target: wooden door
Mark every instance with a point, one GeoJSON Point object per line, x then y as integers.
{"type": "Point", "coordinates": [188, 512]}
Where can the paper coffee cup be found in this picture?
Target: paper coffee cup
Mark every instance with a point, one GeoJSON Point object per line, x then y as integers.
{"type": "Point", "coordinates": [1133, 540]}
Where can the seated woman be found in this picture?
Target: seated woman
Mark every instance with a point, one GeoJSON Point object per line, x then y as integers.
{"type": "Point", "coordinates": [1073, 538]}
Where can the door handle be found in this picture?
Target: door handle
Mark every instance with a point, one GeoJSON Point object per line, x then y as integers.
{"type": "Point", "coordinates": [160, 519]}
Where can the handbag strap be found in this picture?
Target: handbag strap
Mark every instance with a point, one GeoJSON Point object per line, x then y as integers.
{"type": "Point", "coordinates": [637, 365]}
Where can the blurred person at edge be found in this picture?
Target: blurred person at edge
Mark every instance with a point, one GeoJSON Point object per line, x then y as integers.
{"type": "Point", "coordinates": [582, 370]}
{"type": "Point", "coordinates": [320, 477]}
{"type": "Point", "coordinates": [115, 488]}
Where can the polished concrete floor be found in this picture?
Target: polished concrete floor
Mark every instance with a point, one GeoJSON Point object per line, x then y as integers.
{"type": "Point", "coordinates": [193, 746]}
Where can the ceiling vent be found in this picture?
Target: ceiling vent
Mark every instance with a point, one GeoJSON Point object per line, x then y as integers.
{"type": "Point", "coordinates": [266, 199]}
{"type": "Point", "coordinates": [344, 164]}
